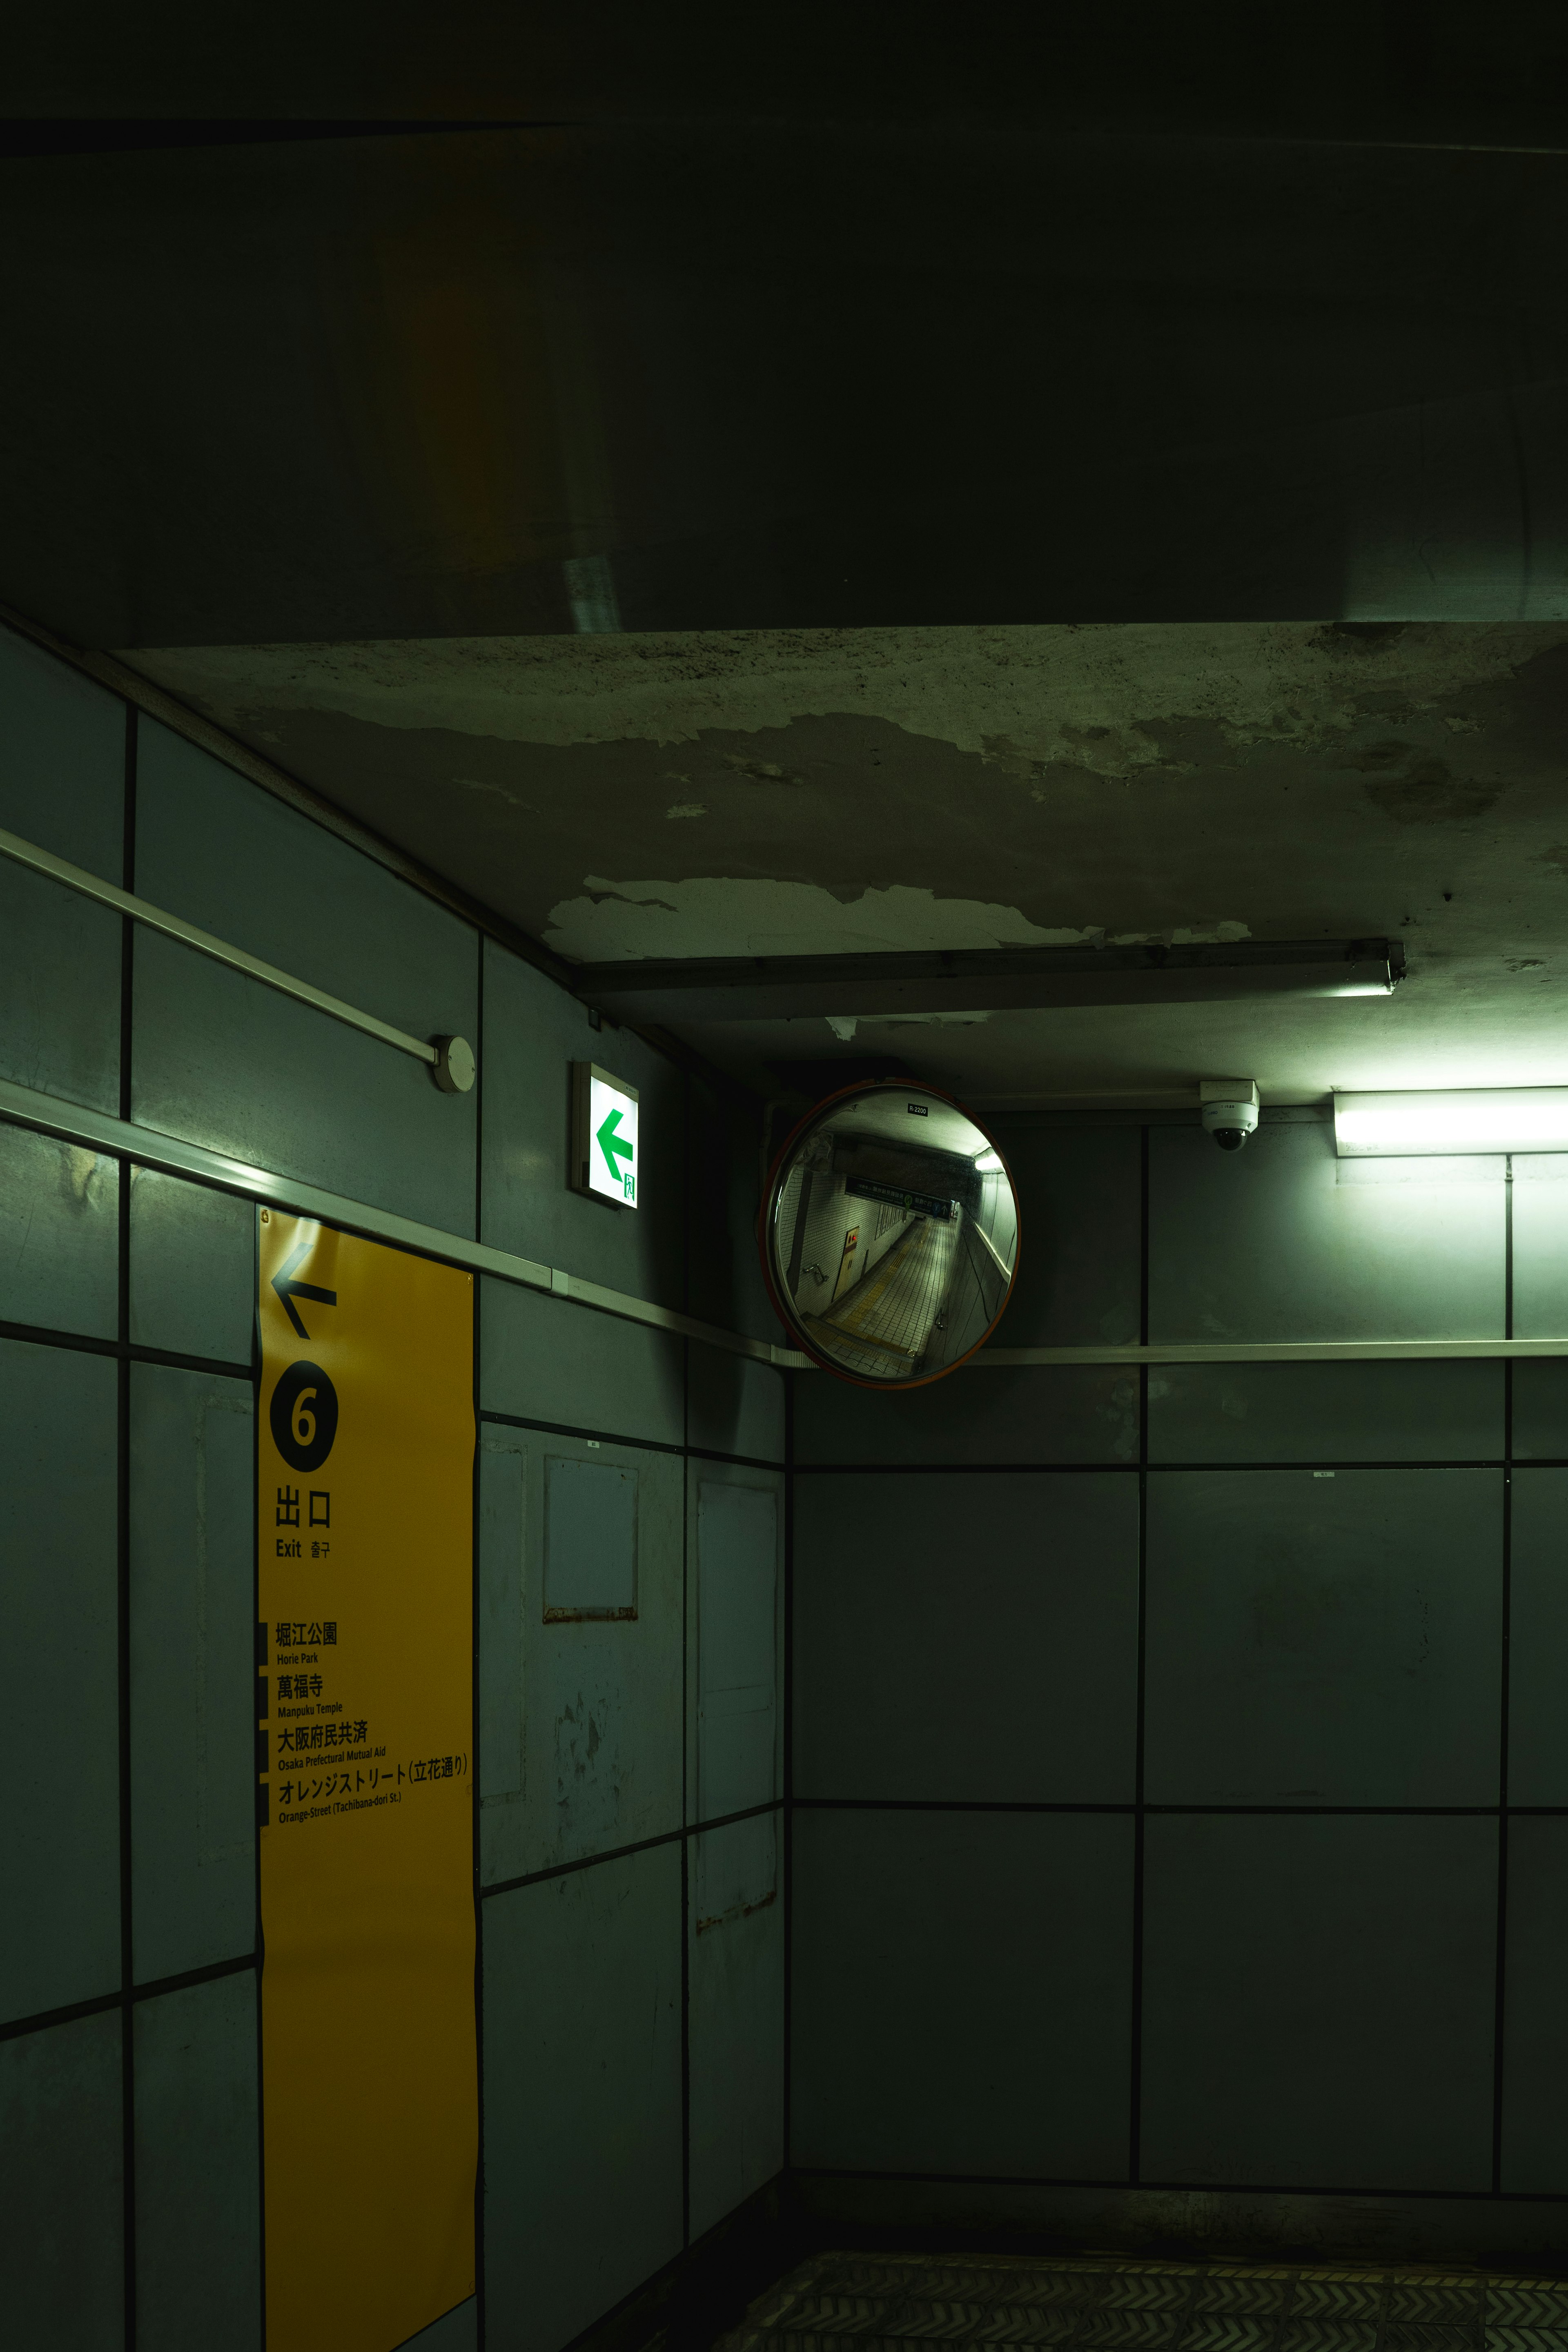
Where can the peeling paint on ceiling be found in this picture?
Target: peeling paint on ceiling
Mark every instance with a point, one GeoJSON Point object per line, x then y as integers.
{"type": "Point", "coordinates": [1105, 699]}
{"type": "Point", "coordinates": [723, 915]}
{"type": "Point", "coordinates": [831, 791]}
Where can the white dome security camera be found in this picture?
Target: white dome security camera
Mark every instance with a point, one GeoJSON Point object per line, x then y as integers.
{"type": "Point", "coordinates": [1229, 1111]}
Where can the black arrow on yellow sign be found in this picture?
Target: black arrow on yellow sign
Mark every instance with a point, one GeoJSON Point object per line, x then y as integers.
{"type": "Point", "coordinates": [288, 1290]}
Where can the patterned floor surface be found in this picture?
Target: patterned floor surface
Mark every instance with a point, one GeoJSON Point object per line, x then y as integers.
{"type": "Point", "coordinates": [863, 2303]}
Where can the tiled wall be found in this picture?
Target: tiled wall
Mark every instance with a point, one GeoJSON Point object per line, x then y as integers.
{"type": "Point", "coordinates": [632, 1952]}
{"type": "Point", "coordinates": [1180, 1762]}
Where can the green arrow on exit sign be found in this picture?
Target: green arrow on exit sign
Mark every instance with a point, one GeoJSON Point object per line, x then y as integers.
{"type": "Point", "coordinates": [610, 1143]}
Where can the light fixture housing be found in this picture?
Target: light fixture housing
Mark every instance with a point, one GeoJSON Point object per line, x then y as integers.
{"type": "Point", "coordinates": [1449, 1124]}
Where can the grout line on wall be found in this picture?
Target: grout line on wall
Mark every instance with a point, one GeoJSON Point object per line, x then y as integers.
{"type": "Point", "coordinates": [788, 1763]}
{"type": "Point", "coordinates": [956, 1805]}
{"type": "Point", "coordinates": [476, 1724]}
{"type": "Point", "coordinates": [1500, 2024]}
{"type": "Point", "coordinates": [122, 1526]}
{"type": "Point", "coordinates": [685, 2042]}
{"type": "Point", "coordinates": [1185, 1811]}
{"type": "Point", "coordinates": [1135, 2053]}
{"type": "Point", "coordinates": [40, 1335]}
{"type": "Point", "coordinates": [1143, 1236]}
{"type": "Point", "coordinates": [620, 1852]}
{"type": "Point", "coordinates": [686, 1724]}
{"type": "Point", "coordinates": [642, 1444]}
{"type": "Point", "coordinates": [1247, 2189]}
{"type": "Point", "coordinates": [741, 1461]}
{"type": "Point", "coordinates": [155, 1988]}
{"type": "Point", "coordinates": [955, 1469]}
{"type": "Point", "coordinates": [1134, 1469]}
{"type": "Point", "coordinates": [260, 1928]}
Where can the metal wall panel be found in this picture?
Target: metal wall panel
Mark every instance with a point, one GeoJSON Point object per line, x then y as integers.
{"type": "Point", "coordinates": [62, 758]}
{"type": "Point", "coordinates": [193, 1670]}
{"type": "Point", "coordinates": [1535, 2022]}
{"type": "Point", "coordinates": [59, 1236]}
{"type": "Point", "coordinates": [968, 1638]}
{"type": "Point", "coordinates": [62, 785]}
{"type": "Point", "coordinates": [1284, 1241]}
{"type": "Point", "coordinates": [192, 1268]}
{"type": "Point", "coordinates": [600, 1698]}
{"type": "Point", "coordinates": [739, 1536]}
{"type": "Point", "coordinates": [725, 1172]}
{"type": "Point", "coordinates": [61, 2250]}
{"type": "Point", "coordinates": [1540, 1246]}
{"type": "Point", "coordinates": [198, 2192]}
{"type": "Point", "coordinates": [737, 2016]}
{"type": "Point", "coordinates": [980, 1415]}
{"type": "Point", "coordinates": [1538, 1640]}
{"type": "Point", "coordinates": [582, 2128]}
{"type": "Point", "coordinates": [226, 1062]}
{"type": "Point", "coordinates": [962, 1986]}
{"type": "Point", "coordinates": [1318, 2000]}
{"type": "Point", "coordinates": [59, 980]}
{"type": "Point", "coordinates": [734, 1869]}
{"type": "Point", "coordinates": [749, 1736]}
{"type": "Point", "coordinates": [1540, 1410]}
{"type": "Point", "coordinates": [545, 1359]}
{"type": "Point", "coordinates": [1326, 1413]}
{"type": "Point", "coordinates": [1324, 1639]}
{"type": "Point", "coordinates": [503, 1643]}
{"type": "Point", "coordinates": [735, 1405]}
{"type": "Point", "coordinates": [1078, 1196]}
{"type": "Point", "coordinates": [60, 1846]}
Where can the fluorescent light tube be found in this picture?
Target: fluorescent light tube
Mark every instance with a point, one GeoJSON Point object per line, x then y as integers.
{"type": "Point", "coordinates": [1475, 1118]}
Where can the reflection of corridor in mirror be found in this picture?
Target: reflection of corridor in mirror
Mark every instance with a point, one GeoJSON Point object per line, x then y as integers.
{"type": "Point", "coordinates": [883, 1326]}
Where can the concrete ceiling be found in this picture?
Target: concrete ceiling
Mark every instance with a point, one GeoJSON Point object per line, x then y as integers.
{"type": "Point", "coordinates": [803, 792]}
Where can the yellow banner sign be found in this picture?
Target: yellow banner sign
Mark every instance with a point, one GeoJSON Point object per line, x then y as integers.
{"type": "Point", "coordinates": [370, 2093]}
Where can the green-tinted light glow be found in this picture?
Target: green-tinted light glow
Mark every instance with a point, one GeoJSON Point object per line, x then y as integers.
{"type": "Point", "coordinates": [1479, 1118]}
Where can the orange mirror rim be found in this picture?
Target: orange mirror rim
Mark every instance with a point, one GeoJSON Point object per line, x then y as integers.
{"type": "Point", "coordinates": [764, 1221]}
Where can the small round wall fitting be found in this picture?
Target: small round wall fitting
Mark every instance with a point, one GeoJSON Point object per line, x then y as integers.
{"type": "Point", "coordinates": [454, 1068]}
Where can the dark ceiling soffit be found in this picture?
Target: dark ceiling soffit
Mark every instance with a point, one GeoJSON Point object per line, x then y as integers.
{"type": "Point", "coordinates": [51, 135]}
{"type": "Point", "coordinates": [985, 980]}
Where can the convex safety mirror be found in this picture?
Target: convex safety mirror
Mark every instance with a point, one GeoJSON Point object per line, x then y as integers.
{"type": "Point", "coordinates": [889, 1234]}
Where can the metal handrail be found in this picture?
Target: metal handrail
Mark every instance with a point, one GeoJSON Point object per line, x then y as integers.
{"type": "Point", "coordinates": [49, 1115]}
{"type": "Point", "coordinates": [174, 927]}
{"type": "Point", "coordinates": [171, 1156]}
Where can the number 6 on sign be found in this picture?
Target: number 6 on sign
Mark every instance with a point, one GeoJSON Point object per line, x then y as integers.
{"type": "Point", "coordinates": [305, 1416]}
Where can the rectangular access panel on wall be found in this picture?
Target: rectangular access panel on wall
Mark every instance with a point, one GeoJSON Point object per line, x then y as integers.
{"type": "Point", "coordinates": [370, 2096]}
{"type": "Point", "coordinates": [589, 1540]}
